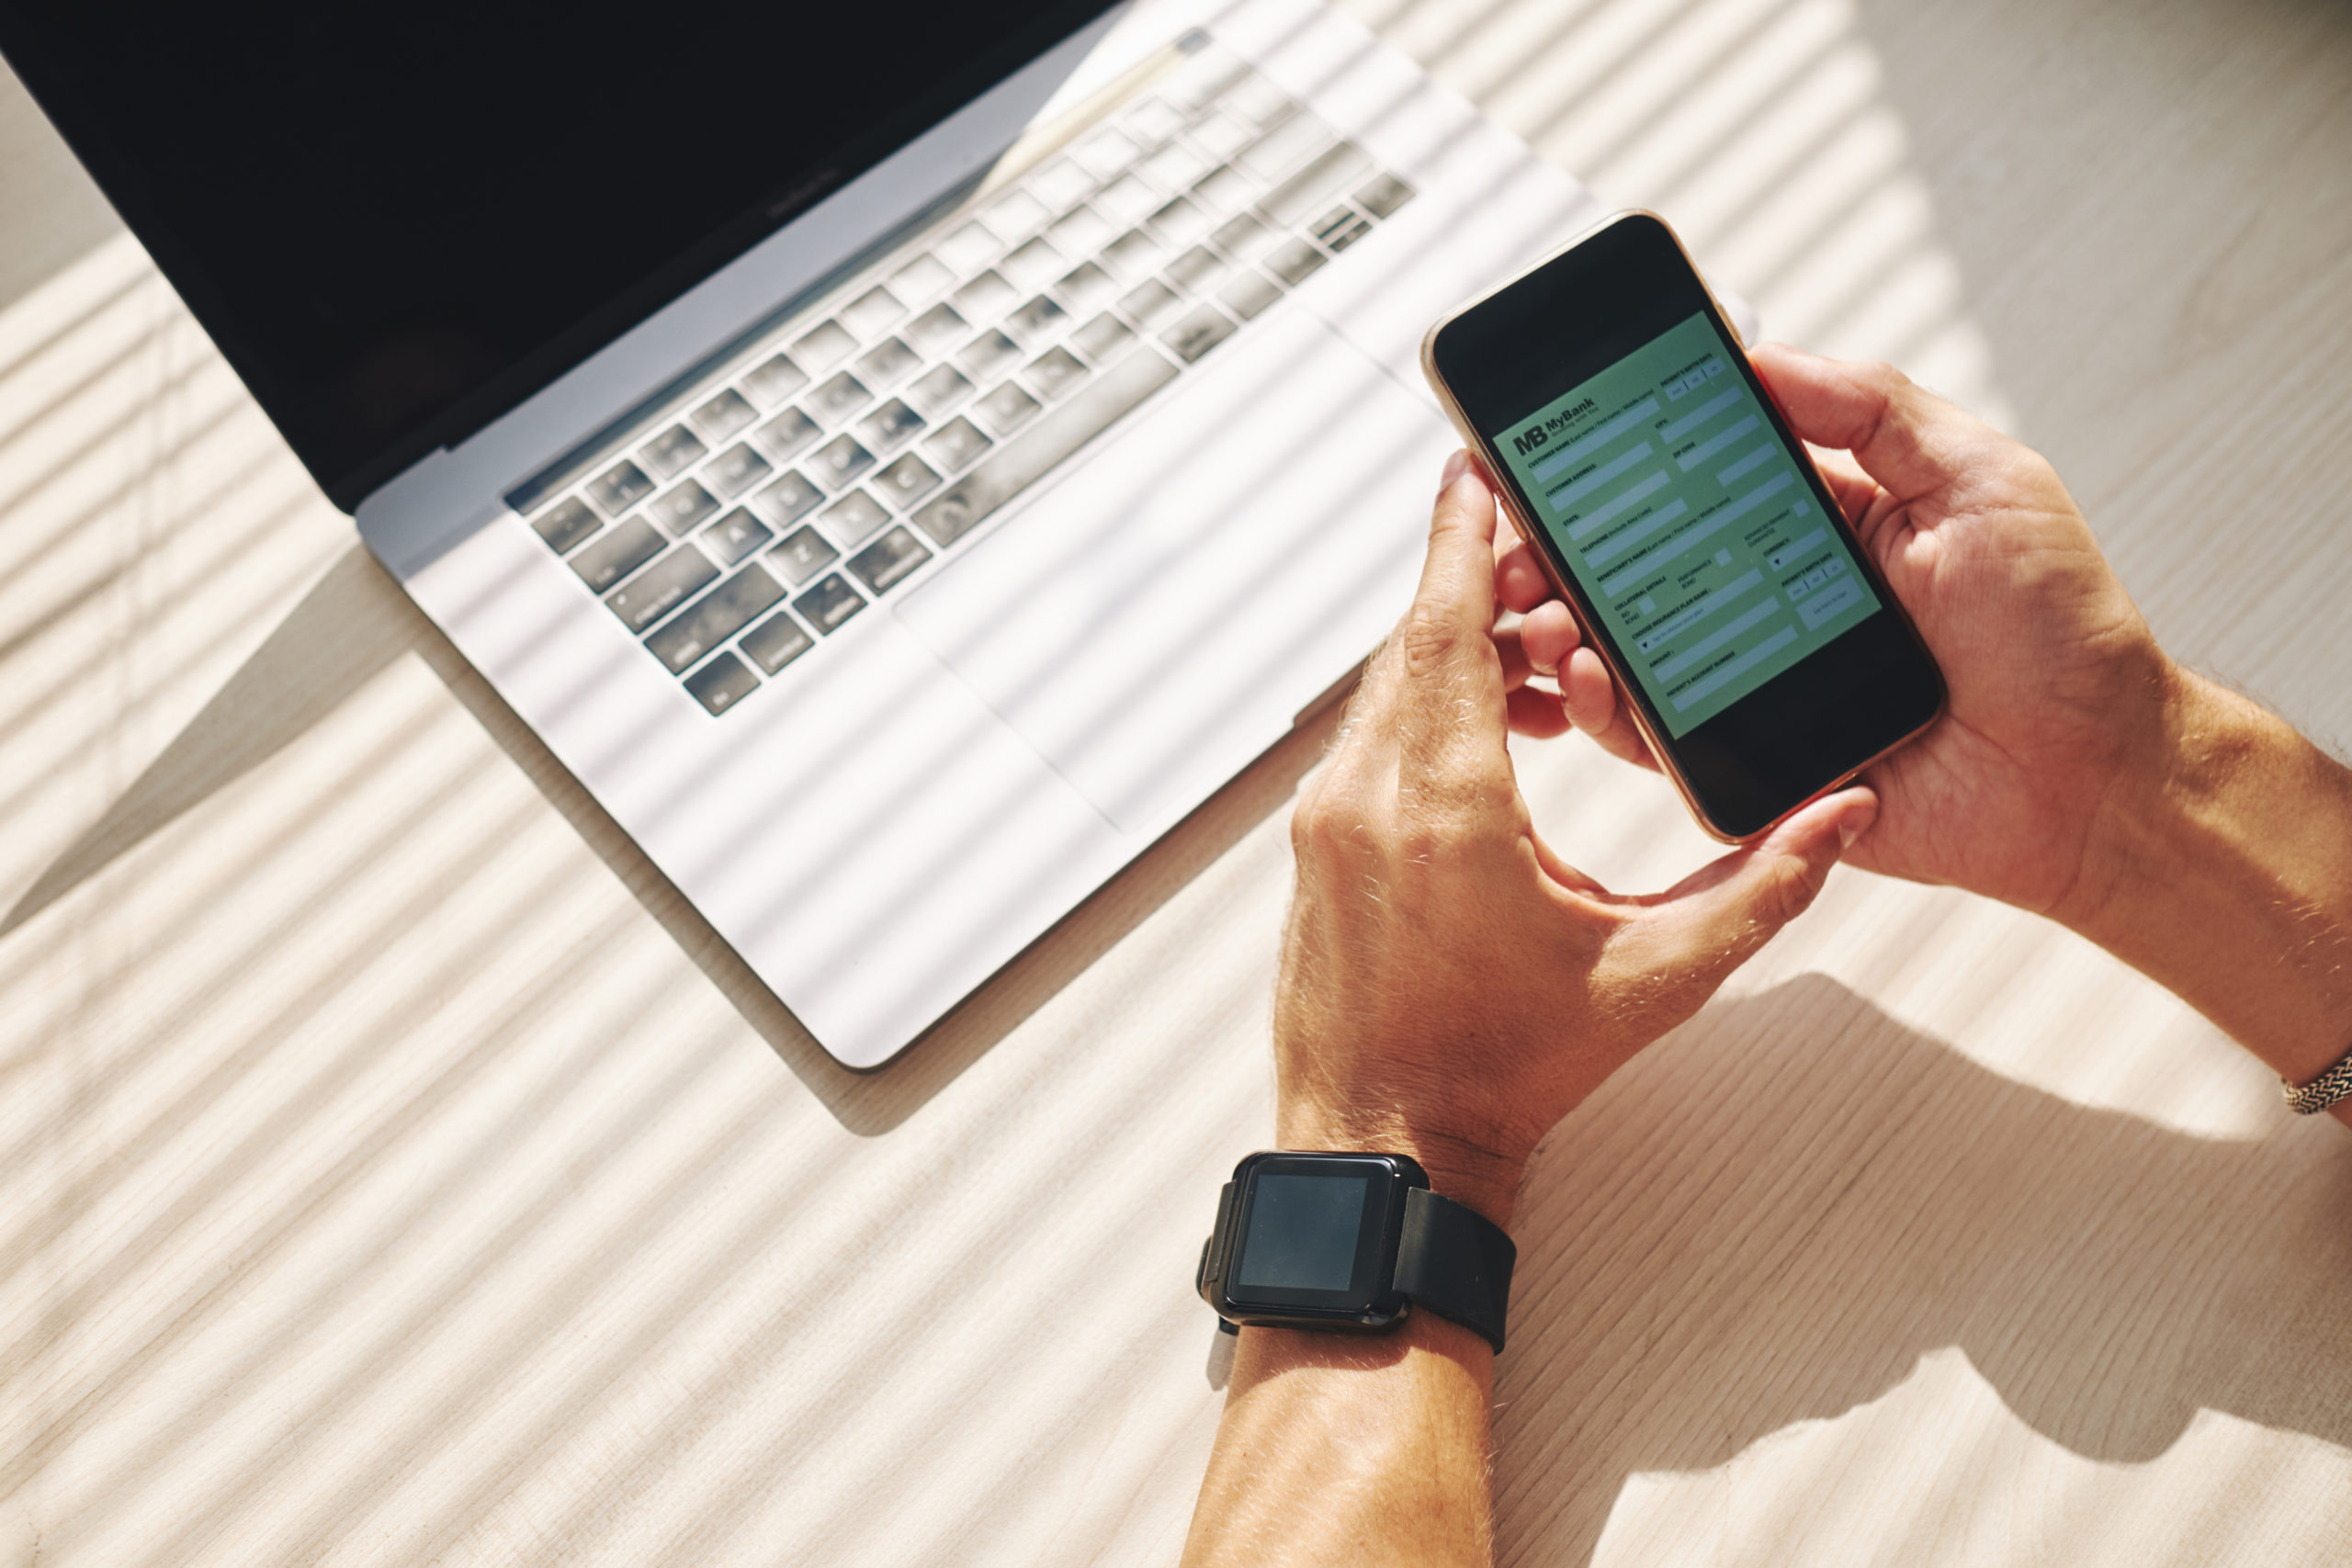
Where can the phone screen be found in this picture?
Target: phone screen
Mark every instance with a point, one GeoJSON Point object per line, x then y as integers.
{"type": "Point", "coordinates": [1670, 497]}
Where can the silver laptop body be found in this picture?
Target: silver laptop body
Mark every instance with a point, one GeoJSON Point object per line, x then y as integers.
{"type": "Point", "coordinates": [897, 585]}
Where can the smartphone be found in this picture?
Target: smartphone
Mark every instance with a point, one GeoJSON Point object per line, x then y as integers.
{"type": "Point", "coordinates": [1706, 562]}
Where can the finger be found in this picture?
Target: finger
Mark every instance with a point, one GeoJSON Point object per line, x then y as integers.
{"type": "Point", "coordinates": [1449, 710]}
{"type": "Point", "coordinates": [1590, 698]}
{"type": "Point", "coordinates": [1549, 634]}
{"type": "Point", "coordinates": [1853, 489]}
{"type": "Point", "coordinates": [1520, 582]}
{"type": "Point", "coordinates": [1715, 919]}
{"type": "Point", "coordinates": [1906, 438]}
{"type": "Point", "coordinates": [1536, 713]}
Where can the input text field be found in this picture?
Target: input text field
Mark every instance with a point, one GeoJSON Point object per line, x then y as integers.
{"type": "Point", "coordinates": [1701, 690]}
{"type": "Point", "coordinates": [1593, 440]}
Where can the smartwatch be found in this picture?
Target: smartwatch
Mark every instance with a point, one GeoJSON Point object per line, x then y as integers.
{"type": "Point", "coordinates": [1352, 1243]}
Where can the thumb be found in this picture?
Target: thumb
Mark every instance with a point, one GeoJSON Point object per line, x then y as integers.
{"type": "Point", "coordinates": [1721, 915]}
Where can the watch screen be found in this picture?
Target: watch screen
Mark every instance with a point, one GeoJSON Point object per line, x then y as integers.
{"type": "Point", "coordinates": [1686, 519]}
{"type": "Point", "coordinates": [1303, 1232]}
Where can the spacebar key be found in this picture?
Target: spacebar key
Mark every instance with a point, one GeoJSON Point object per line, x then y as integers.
{"type": "Point", "coordinates": [1023, 460]}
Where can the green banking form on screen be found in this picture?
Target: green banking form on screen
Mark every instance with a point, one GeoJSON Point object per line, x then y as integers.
{"type": "Point", "coordinates": [1686, 523]}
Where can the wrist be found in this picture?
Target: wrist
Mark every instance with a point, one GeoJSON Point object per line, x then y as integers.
{"type": "Point", "coordinates": [1474, 1169]}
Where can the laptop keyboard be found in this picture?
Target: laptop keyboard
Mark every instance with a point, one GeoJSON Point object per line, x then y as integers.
{"type": "Point", "coordinates": [868, 437]}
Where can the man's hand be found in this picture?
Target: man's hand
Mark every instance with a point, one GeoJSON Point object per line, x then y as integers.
{"type": "Point", "coordinates": [2059, 691]}
{"type": "Point", "coordinates": [1450, 986]}
{"type": "Point", "coordinates": [2079, 773]}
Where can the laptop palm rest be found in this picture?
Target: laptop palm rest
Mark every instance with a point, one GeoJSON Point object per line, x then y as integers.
{"type": "Point", "coordinates": [1156, 619]}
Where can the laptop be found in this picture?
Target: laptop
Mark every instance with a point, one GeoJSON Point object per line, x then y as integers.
{"type": "Point", "coordinates": [901, 463]}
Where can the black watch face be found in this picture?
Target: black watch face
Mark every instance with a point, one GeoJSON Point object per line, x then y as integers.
{"type": "Point", "coordinates": [1314, 1232]}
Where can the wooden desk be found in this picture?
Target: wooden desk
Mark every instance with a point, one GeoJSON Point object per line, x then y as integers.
{"type": "Point", "coordinates": [394, 1172]}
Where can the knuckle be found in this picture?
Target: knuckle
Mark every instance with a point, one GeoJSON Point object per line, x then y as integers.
{"type": "Point", "coordinates": [1428, 639]}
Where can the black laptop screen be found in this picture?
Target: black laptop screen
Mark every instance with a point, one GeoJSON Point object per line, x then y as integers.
{"type": "Point", "coordinates": [399, 221]}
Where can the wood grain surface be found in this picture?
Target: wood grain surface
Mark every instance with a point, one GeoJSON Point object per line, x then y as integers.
{"type": "Point", "coordinates": [393, 1170]}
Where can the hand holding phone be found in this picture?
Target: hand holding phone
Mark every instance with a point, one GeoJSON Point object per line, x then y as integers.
{"type": "Point", "coordinates": [1760, 653]}
{"type": "Point", "coordinates": [2057, 684]}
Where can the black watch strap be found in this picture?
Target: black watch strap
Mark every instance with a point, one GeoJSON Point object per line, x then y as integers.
{"type": "Point", "coordinates": [1456, 1262]}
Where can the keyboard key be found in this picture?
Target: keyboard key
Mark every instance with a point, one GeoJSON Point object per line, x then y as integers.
{"type": "Point", "coordinates": [989, 352]}
{"type": "Point", "coordinates": [1149, 304]}
{"type": "Point", "coordinates": [1053, 372]}
{"type": "Point", "coordinates": [986, 297]}
{"type": "Point", "coordinates": [672, 452]}
{"type": "Point", "coordinates": [886, 361]}
{"type": "Point", "coordinates": [566, 524]}
{"type": "Point", "coordinates": [1221, 190]}
{"type": "Point", "coordinates": [838, 396]}
{"type": "Point", "coordinates": [735, 470]}
{"type": "Point", "coordinates": [1259, 100]}
{"type": "Point", "coordinates": [906, 481]}
{"type": "Point", "coordinates": [1125, 200]}
{"type": "Point", "coordinates": [775, 380]}
{"type": "Point", "coordinates": [1342, 229]}
{"type": "Point", "coordinates": [619, 488]}
{"type": "Point", "coordinates": [840, 460]}
{"type": "Point", "coordinates": [803, 553]}
{"type": "Point", "coordinates": [1245, 239]}
{"type": "Point", "coordinates": [1312, 188]}
{"type": "Point", "coordinates": [1220, 135]}
{"type": "Point", "coordinates": [892, 425]}
{"type": "Point", "coordinates": [618, 553]}
{"type": "Point", "coordinates": [1248, 294]}
{"type": "Point", "coordinates": [1105, 153]}
{"type": "Point", "coordinates": [941, 389]}
{"type": "Point", "coordinates": [735, 537]}
{"type": "Point", "coordinates": [1383, 195]}
{"type": "Point", "coordinates": [824, 347]}
{"type": "Point", "coordinates": [1284, 148]}
{"type": "Point", "coordinates": [1017, 465]}
{"type": "Point", "coordinates": [1177, 166]}
{"type": "Point", "coordinates": [1032, 263]}
{"type": "Point", "coordinates": [776, 642]}
{"type": "Point", "coordinates": [921, 278]}
{"type": "Point", "coordinates": [1005, 409]}
{"type": "Point", "coordinates": [1198, 270]}
{"type": "Point", "coordinates": [1133, 255]}
{"type": "Point", "coordinates": [1198, 333]}
{"type": "Point", "coordinates": [958, 443]}
{"type": "Point", "coordinates": [790, 498]}
{"type": "Point", "coordinates": [1081, 232]}
{"type": "Point", "coordinates": [853, 518]}
{"type": "Point", "coordinates": [966, 248]}
{"type": "Point", "coordinates": [722, 683]}
{"type": "Point", "coordinates": [1060, 183]}
{"type": "Point", "coordinates": [882, 564]}
{"type": "Point", "coordinates": [936, 327]}
{"type": "Point", "coordinates": [1102, 337]}
{"type": "Point", "coordinates": [786, 435]}
{"type": "Point", "coordinates": [1201, 78]}
{"type": "Point", "coordinates": [871, 312]}
{"type": "Point", "coordinates": [1292, 261]}
{"type": "Point", "coordinates": [1179, 223]}
{"type": "Point", "coordinates": [663, 587]}
{"type": "Point", "coordinates": [1085, 286]}
{"type": "Point", "coordinates": [830, 603]}
{"type": "Point", "coordinates": [725, 414]}
{"type": "Point", "coordinates": [1153, 120]}
{"type": "Point", "coordinates": [715, 617]}
{"type": "Point", "coordinates": [1014, 215]}
{"type": "Point", "coordinates": [1041, 318]}
{"type": "Point", "coordinates": [684, 509]}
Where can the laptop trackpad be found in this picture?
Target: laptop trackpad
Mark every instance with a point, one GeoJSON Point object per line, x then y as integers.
{"type": "Point", "coordinates": [1158, 618]}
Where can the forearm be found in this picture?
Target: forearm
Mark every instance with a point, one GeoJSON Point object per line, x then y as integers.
{"type": "Point", "coordinates": [2230, 880]}
{"type": "Point", "coordinates": [1346, 1449]}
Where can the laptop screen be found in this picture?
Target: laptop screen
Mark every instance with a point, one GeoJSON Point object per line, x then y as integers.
{"type": "Point", "coordinates": [399, 221]}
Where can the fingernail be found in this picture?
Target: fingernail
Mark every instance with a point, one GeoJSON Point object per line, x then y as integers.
{"type": "Point", "coordinates": [1455, 466]}
{"type": "Point", "coordinates": [1855, 823]}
